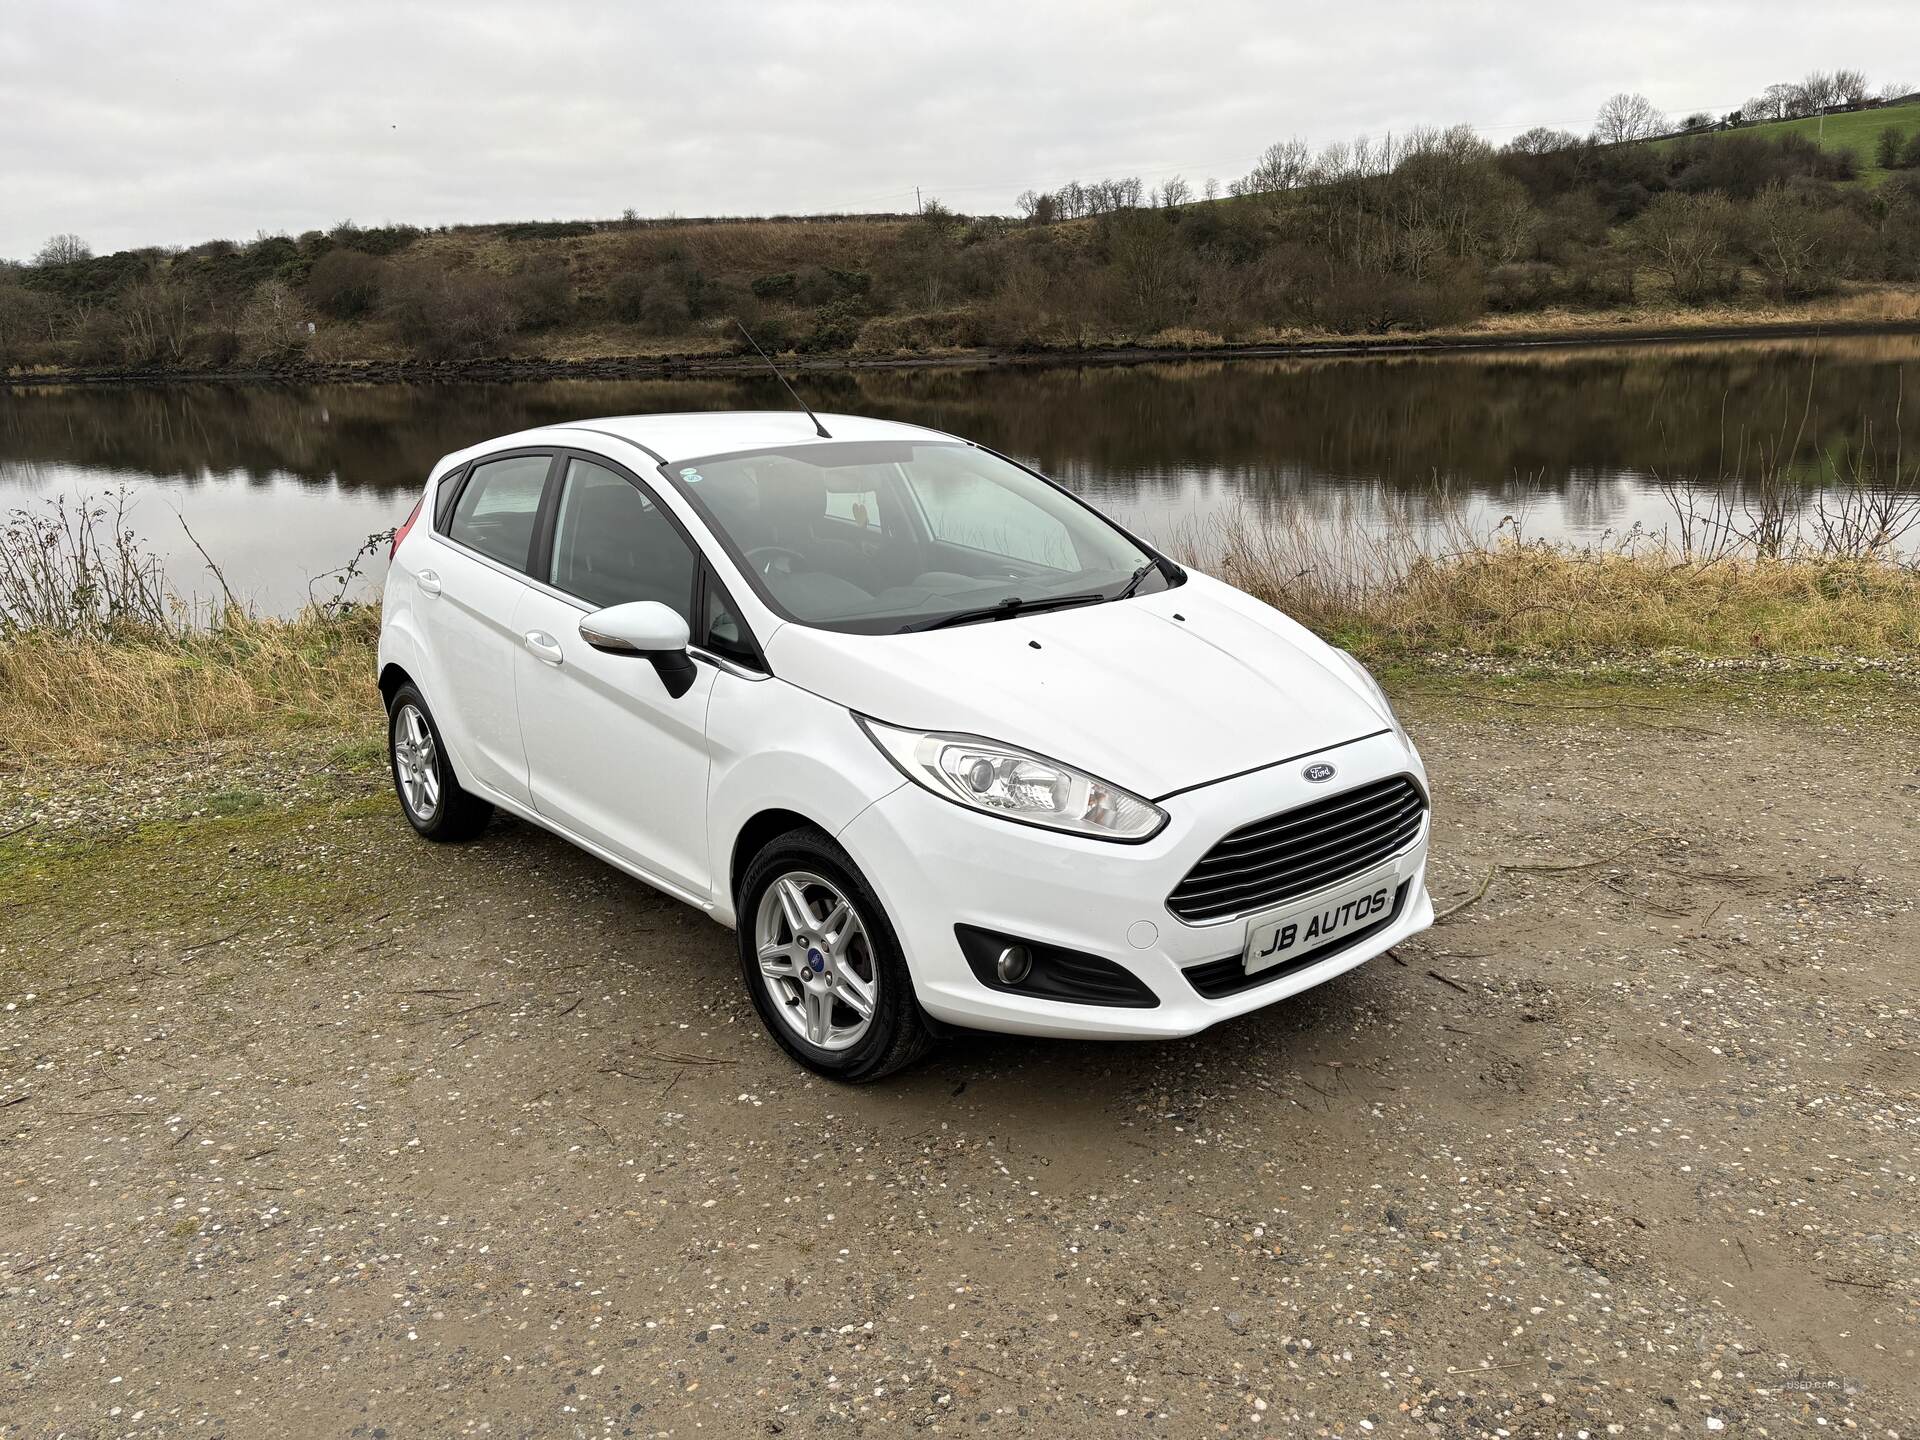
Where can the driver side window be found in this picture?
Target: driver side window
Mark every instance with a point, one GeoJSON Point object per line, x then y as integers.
{"type": "Point", "coordinates": [612, 544]}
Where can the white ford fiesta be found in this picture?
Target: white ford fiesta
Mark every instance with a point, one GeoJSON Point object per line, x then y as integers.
{"type": "Point", "coordinates": [945, 746]}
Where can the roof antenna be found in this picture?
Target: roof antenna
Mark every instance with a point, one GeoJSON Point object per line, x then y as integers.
{"type": "Point", "coordinates": [819, 429]}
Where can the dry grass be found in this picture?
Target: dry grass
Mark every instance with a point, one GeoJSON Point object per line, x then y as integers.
{"type": "Point", "coordinates": [1409, 590]}
{"type": "Point", "coordinates": [83, 697]}
{"type": "Point", "coordinates": [93, 663]}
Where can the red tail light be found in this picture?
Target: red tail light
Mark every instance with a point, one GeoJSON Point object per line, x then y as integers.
{"type": "Point", "coordinates": [405, 525]}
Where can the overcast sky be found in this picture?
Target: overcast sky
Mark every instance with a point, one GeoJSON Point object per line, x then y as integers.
{"type": "Point", "coordinates": [153, 122]}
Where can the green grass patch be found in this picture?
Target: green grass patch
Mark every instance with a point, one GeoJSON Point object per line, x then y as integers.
{"type": "Point", "coordinates": [254, 869]}
{"type": "Point", "coordinates": [1857, 130]}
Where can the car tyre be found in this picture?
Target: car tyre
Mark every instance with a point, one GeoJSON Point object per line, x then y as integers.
{"type": "Point", "coordinates": [796, 956]}
{"type": "Point", "coordinates": [430, 793]}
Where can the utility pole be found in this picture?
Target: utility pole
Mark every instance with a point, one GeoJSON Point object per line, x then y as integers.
{"type": "Point", "coordinates": [916, 200]}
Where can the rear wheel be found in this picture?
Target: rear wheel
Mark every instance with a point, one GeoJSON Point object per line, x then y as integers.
{"type": "Point", "coordinates": [423, 777]}
{"type": "Point", "coordinates": [822, 964]}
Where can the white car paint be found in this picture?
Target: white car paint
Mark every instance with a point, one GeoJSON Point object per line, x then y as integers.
{"type": "Point", "coordinates": [1197, 697]}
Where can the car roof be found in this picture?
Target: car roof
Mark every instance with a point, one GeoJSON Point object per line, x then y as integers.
{"type": "Point", "coordinates": [690, 435]}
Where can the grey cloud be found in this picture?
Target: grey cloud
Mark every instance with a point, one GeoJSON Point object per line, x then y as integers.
{"type": "Point", "coordinates": [138, 123]}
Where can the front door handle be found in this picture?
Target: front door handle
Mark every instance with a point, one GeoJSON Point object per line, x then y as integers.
{"type": "Point", "coordinates": [545, 646]}
{"type": "Point", "coordinates": [429, 582]}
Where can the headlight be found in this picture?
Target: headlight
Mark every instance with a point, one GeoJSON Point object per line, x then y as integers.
{"type": "Point", "coordinates": [1016, 784]}
{"type": "Point", "coordinates": [1373, 688]}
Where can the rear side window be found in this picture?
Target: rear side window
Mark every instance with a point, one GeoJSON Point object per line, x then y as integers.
{"type": "Point", "coordinates": [612, 544]}
{"type": "Point", "coordinates": [496, 511]}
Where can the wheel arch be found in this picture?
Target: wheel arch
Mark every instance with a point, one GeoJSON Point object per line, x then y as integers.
{"type": "Point", "coordinates": [392, 677]}
{"type": "Point", "coordinates": [760, 829]}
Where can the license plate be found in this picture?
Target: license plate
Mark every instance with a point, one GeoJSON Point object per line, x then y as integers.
{"type": "Point", "coordinates": [1286, 938]}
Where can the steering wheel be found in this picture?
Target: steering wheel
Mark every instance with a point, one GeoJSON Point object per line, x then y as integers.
{"type": "Point", "coordinates": [773, 552]}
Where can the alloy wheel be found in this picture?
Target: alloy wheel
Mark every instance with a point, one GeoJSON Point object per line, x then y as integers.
{"type": "Point", "coordinates": [816, 960]}
{"type": "Point", "coordinates": [416, 762]}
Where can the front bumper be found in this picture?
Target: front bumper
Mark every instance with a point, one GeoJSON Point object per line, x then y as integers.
{"type": "Point", "coordinates": [936, 864]}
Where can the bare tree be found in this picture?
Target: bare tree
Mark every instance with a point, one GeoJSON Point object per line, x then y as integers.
{"type": "Point", "coordinates": [1282, 166]}
{"type": "Point", "coordinates": [1819, 91]}
{"type": "Point", "coordinates": [1776, 102]}
{"type": "Point", "coordinates": [1541, 140]}
{"type": "Point", "coordinates": [1628, 117]}
{"type": "Point", "coordinates": [1690, 240]}
{"type": "Point", "coordinates": [1850, 86]}
{"type": "Point", "coordinates": [1211, 189]}
{"type": "Point", "coordinates": [1895, 90]}
{"type": "Point", "coordinates": [63, 249]}
{"type": "Point", "coordinates": [1175, 192]}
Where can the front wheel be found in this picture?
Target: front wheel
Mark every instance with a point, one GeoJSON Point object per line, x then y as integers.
{"type": "Point", "coordinates": [822, 964]}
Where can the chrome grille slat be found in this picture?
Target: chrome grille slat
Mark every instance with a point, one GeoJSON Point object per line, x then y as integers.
{"type": "Point", "coordinates": [1276, 859]}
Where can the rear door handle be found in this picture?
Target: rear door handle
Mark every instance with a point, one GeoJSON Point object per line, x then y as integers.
{"type": "Point", "coordinates": [429, 582]}
{"type": "Point", "coordinates": [545, 646]}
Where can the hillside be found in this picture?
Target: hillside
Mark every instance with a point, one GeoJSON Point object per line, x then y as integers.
{"type": "Point", "coordinates": [1437, 233]}
{"type": "Point", "coordinates": [1855, 131]}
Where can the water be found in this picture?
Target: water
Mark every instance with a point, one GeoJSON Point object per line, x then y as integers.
{"type": "Point", "coordinates": [283, 483]}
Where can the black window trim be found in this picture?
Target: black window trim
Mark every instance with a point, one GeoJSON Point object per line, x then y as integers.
{"type": "Point", "coordinates": [443, 514]}
{"type": "Point", "coordinates": [707, 582]}
{"type": "Point", "coordinates": [703, 576]}
{"type": "Point", "coordinates": [447, 494]}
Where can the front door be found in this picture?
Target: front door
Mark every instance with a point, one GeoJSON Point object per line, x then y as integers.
{"type": "Point", "coordinates": [610, 754]}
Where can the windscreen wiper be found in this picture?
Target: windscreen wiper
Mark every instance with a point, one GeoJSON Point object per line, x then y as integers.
{"type": "Point", "coordinates": [1133, 583]}
{"type": "Point", "coordinates": [1006, 609]}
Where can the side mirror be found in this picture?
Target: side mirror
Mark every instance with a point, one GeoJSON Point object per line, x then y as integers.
{"type": "Point", "coordinates": [648, 630]}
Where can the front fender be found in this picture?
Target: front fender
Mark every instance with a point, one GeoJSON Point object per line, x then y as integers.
{"type": "Point", "coordinates": [776, 747]}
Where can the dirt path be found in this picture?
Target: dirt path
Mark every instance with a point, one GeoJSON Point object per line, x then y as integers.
{"type": "Point", "coordinates": [308, 1129]}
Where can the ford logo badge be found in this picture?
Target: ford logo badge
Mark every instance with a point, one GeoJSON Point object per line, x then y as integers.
{"type": "Point", "coordinates": [1318, 773]}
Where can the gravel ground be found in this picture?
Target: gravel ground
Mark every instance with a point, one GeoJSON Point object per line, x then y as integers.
{"type": "Point", "coordinates": [307, 1128]}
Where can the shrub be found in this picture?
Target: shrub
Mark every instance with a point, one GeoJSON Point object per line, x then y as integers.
{"type": "Point", "coordinates": [447, 314]}
{"type": "Point", "coordinates": [97, 340]}
{"type": "Point", "coordinates": [1599, 279]}
{"type": "Point", "coordinates": [547, 229]}
{"type": "Point", "coordinates": [25, 316]}
{"type": "Point", "coordinates": [940, 330]}
{"type": "Point", "coordinates": [654, 302]}
{"type": "Point", "coordinates": [384, 239]}
{"type": "Point", "coordinates": [836, 326]}
{"type": "Point", "coordinates": [1525, 285]}
{"type": "Point", "coordinates": [1690, 239]}
{"type": "Point", "coordinates": [775, 287]}
{"type": "Point", "coordinates": [541, 293]}
{"type": "Point", "coordinates": [345, 283]}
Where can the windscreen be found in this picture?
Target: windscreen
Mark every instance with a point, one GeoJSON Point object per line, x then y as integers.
{"type": "Point", "coordinates": [883, 536]}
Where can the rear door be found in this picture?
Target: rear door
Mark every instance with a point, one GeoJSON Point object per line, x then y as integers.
{"type": "Point", "coordinates": [471, 580]}
{"type": "Point", "coordinates": [612, 756]}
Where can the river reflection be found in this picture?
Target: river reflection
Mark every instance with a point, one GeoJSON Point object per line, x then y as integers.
{"type": "Point", "coordinates": [281, 483]}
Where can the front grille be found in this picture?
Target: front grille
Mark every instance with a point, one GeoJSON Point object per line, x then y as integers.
{"type": "Point", "coordinates": [1229, 976]}
{"type": "Point", "coordinates": [1299, 851]}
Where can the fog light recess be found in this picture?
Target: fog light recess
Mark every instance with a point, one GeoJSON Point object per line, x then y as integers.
{"type": "Point", "coordinates": [1048, 972]}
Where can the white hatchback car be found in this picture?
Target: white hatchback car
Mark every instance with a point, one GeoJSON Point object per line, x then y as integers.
{"type": "Point", "coordinates": [944, 745]}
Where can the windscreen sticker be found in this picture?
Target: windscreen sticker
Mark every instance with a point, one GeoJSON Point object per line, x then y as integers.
{"type": "Point", "coordinates": [690, 475]}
